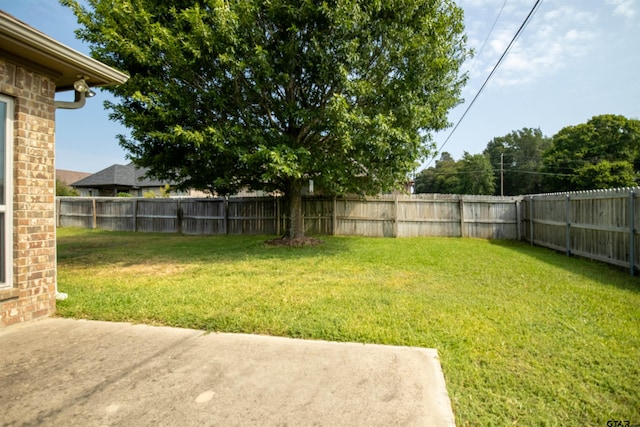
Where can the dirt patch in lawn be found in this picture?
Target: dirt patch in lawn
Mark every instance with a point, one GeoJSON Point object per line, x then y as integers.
{"type": "Point", "coordinates": [294, 242]}
{"type": "Point", "coordinates": [145, 269]}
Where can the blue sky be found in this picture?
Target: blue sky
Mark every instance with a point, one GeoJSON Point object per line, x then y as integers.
{"type": "Point", "coordinates": [576, 59]}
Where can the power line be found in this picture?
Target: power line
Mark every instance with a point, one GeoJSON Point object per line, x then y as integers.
{"type": "Point", "coordinates": [487, 38]}
{"type": "Point", "coordinates": [495, 67]}
{"type": "Point", "coordinates": [633, 112]}
{"type": "Point", "coordinates": [542, 173]}
{"type": "Point", "coordinates": [450, 173]}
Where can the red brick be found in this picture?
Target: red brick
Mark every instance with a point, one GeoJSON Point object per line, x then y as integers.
{"type": "Point", "coordinates": [33, 201]}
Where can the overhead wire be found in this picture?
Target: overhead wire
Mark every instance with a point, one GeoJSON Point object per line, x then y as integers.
{"type": "Point", "coordinates": [495, 21]}
{"type": "Point", "coordinates": [436, 172]}
{"type": "Point", "coordinates": [495, 68]}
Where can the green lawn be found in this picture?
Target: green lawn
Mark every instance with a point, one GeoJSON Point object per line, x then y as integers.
{"type": "Point", "coordinates": [526, 336]}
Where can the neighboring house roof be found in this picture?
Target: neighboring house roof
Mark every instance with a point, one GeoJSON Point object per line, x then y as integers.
{"type": "Point", "coordinates": [68, 177]}
{"type": "Point", "coordinates": [118, 176]}
{"type": "Point", "coordinates": [65, 64]}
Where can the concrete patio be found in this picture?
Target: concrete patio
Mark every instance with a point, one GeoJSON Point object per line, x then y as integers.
{"type": "Point", "coordinates": [67, 372]}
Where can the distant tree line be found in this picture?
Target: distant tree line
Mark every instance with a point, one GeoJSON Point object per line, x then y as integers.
{"type": "Point", "coordinates": [602, 153]}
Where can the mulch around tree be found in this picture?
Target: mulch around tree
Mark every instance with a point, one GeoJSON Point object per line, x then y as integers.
{"type": "Point", "coordinates": [294, 242]}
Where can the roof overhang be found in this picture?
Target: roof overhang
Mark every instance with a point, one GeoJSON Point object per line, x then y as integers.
{"type": "Point", "coordinates": [21, 41]}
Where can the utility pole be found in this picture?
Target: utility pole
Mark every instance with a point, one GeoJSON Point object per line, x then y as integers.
{"type": "Point", "coordinates": [502, 174]}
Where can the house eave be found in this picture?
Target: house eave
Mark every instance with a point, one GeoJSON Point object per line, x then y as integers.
{"type": "Point", "coordinates": [18, 39]}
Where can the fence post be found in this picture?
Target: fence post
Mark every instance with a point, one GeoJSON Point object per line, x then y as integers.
{"type": "Point", "coordinates": [334, 216]}
{"type": "Point", "coordinates": [135, 214]}
{"type": "Point", "coordinates": [567, 215]}
{"type": "Point", "coordinates": [518, 220]}
{"type": "Point", "coordinates": [531, 220]}
{"type": "Point", "coordinates": [276, 211]}
{"type": "Point", "coordinates": [632, 233]}
{"type": "Point", "coordinates": [395, 217]}
{"type": "Point", "coordinates": [179, 217]}
{"type": "Point", "coordinates": [461, 216]}
{"type": "Point", "coordinates": [94, 224]}
{"type": "Point", "coordinates": [226, 215]}
{"type": "Point", "coordinates": [58, 206]}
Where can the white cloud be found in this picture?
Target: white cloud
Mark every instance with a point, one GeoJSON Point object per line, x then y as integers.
{"type": "Point", "coordinates": [466, 4]}
{"type": "Point", "coordinates": [625, 8]}
{"type": "Point", "coordinates": [551, 40]}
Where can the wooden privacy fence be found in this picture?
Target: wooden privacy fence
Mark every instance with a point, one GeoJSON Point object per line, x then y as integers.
{"type": "Point", "coordinates": [188, 216]}
{"type": "Point", "coordinates": [393, 216]}
{"type": "Point", "coordinates": [412, 216]}
{"type": "Point", "coordinates": [599, 225]}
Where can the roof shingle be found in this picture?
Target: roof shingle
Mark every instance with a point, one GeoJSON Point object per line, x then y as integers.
{"type": "Point", "coordinates": [119, 175]}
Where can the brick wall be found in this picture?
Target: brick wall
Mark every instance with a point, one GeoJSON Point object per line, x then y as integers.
{"type": "Point", "coordinates": [34, 250]}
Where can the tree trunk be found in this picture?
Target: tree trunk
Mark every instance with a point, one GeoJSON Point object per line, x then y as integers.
{"type": "Point", "coordinates": [293, 201]}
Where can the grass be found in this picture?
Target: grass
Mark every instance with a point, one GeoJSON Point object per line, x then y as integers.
{"type": "Point", "coordinates": [526, 336]}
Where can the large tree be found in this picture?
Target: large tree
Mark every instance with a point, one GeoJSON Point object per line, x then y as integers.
{"type": "Point", "coordinates": [269, 94]}
{"type": "Point", "coordinates": [519, 155]}
{"type": "Point", "coordinates": [604, 152]}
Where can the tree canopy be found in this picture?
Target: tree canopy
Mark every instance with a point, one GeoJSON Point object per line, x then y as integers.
{"type": "Point", "coordinates": [519, 154]}
{"type": "Point", "coordinates": [471, 175]}
{"type": "Point", "coordinates": [443, 178]}
{"type": "Point", "coordinates": [476, 175]}
{"type": "Point", "coordinates": [602, 153]}
{"type": "Point", "coordinates": [265, 95]}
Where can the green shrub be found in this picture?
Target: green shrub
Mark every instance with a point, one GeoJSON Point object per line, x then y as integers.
{"type": "Point", "coordinates": [62, 189]}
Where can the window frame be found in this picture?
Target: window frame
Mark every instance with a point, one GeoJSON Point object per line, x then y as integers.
{"type": "Point", "coordinates": [6, 206]}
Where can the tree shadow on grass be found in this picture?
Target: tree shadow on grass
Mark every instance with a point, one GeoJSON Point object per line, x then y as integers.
{"type": "Point", "coordinates": [604, 273]}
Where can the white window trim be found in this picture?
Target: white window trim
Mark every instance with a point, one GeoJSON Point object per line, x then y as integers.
{"type": "Point", "coordinates": [7, 208]}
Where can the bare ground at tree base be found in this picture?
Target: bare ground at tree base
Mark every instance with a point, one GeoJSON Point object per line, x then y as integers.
{"type": "Point", "coordinates": [294, 242]}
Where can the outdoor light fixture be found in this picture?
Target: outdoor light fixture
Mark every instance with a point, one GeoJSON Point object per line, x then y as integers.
{"type": "Point", "coordinates": [81, 85]}
{"type": "Point", "coordinates": [82, 91]}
